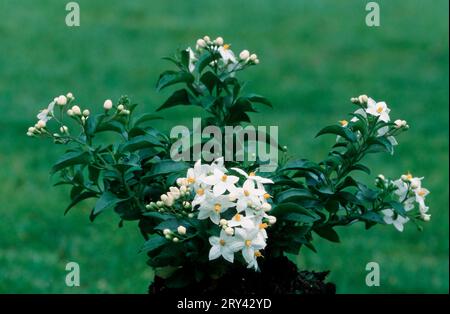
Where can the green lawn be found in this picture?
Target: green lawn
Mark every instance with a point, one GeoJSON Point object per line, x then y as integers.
{"type": "Point", "coordinates": [314, 56]}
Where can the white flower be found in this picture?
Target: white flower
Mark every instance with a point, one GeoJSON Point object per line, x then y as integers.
{"type": "Point", "coordinates": [221, 182]}
{"type": "Point", "coordinates": [397, 222]}
{"type": "Point", "coordinates": [249, 242]}
{"type": "Point", "coordinates": [181, 230]}
{"type": "Point", "coordinates": [239, 220]}
{"type": "Point", "coordinates": [252, 176]}
{"type": "Point", "coordinates": [196, 174]}
{"type": "Point", "coordinates": [248, 196]}
{"type": "Point", "coordinates": [378, 109]}
{"type": "Point", "coordinates": [192, 59]}
{"type": "Point", "coordinates": [213, 206]}
{"type": "Point", "coordinates": [227, 54]}
{"type": "Point", "coordinates": [47, 113]}
{"type": "Point", "coordinates": [220, 246]}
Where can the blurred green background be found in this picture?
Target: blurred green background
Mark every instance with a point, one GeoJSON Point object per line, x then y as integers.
{"type": "Point", "coordinates": [314, 56]}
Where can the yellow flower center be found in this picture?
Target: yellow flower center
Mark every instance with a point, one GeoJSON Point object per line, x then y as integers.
{"type": "Point", "coordinates": [226, 46]}
{"type": "Point", "coordinates": [421, 192]}
{"type": "Point", "coordinates": [258, 253]}
{"type": "Point", "coordinates": [237, 217]}
{"type": "Point", "coordinates": [248, 243]}
{"type": "Point", "coordinates": [217, 207]}
{"type": "Point", "coordinates": [409, 176]}
{"type": "Point", "coordinates": [380, 109]}
{"type": "Point", "coordinates": [222, 242]}
{"type": "Point", "coordinates": [246, 193]}
{"type": "Point", "coordinates": [190, 180]}
{"type": "Point", "coordinates": [266, 196]}
{"type": "Point", "coordinates": [252, 174]}
{"type": "Point", "coordinates": [200, 192]}
{"type": "Point", "coordinates": [343, 123]}
{"type": "Point", "coordinates": [263, 225]}
{"type": "Point", "coordinates": [224, 178]}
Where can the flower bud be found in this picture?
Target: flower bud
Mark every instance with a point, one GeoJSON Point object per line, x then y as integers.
{"type": "Point", "coordinates": [223, 222]}
{"type": "Point", "coordinates": [30, 133]}
{"type": "Point", "coordinates": [253, 57]}
{"type": "Point", "coordinates": [64, 129]}
{"type": "Point", "coordinates": [61, 100]}
{"type": "Point", "coordinates": [167, 231]}
{"type": "Point", "coordinates": [76, 110]}
{"type": "Point", "coordinates": [256, 61]}
{"type": "Point", "coordinates": [181, 230]}
{"type": "Point", "coordinates": [169, 201]}
{"type": "Point", "coordinates": [191, 215]}
{"type": "Point", "coordinates": [86, 112]}
{"type": "Point", "coordinates": [272, 219]}
{"type": "Point", "coordinates": [160, 203]}
{"type": "Point", "coordinates": [425, 217]}
{"type": "Point", "coordinates": [175, 239]}
{"type": "Point", "coordinates": [229, 231]}
{"type": "Point", "coordinates": [219, 41]}
{"type": "Point", "coordinates": [201, 43]}
{"type": "Point", "coordinates": [381, 177]}
{"type": "Point", "coordinates": [41, 124]}
{"type": "Point", "coordinates": [175, 192]}
{"type": "Point", "coordinates": [266, 207]}
{"type": "Point", "coordinates": [163, 197]}
{"type": "Point", "coordinates": [120, 107]}
{"type": "Point", "coordinates": [244, 55]}
{"type": "Point", "coordinates": [363, 99]}
{"type": "Point", "coordinates": [70, 112]}
{"type": "Point", "coordinates": [206, 38]}
{"type": "Point", "coordinates": [107, 104]}
{"type": "Point", "coordinates": [31, 129]}
{"type": "Point", "coordinates": [70, 96]}
{"type": "Point", "coordinates": [354, 100]}
{"type": "Point", "coordinates": [186, 204]}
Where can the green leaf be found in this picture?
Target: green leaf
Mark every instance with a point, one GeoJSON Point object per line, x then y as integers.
{"type": "Point", "coordinates": [139, 142]}
{"type": "Point", "coordinates": [205, 59]}
{"type": "Point", "coordinates": [106, 200]}
{"type": "Point", "coordinates": [180, 97]}
{"type": "Point", "coordinates": [168, 166]}
{"type": "Point", "coordinates": [288, 208]}
{"type": "Point", "coordinates": [113, 125]}
{"type": "Point", "coordinates": [293, 195]}
{"type": "Point", "coordinates": [360, 167]}
{"type": "Point", "coordinates": [258, 98]}
{"type": "Point", "coordinates": [327, 233]}
{"type": "Point", "coordinates": [69, 159]}
{"type": "Point", "coordinates": [157, 215]}
{"type": "Point", "coordinates": [338, 130]}
{"type": "Point", "coordinates": [173, 77]}
{"type": "Point", "coordinates": [296, 217]}
{"type": "Point", "coordinates": [210, 80]}
{"type": "Point", "coordinates": [146, 117]}
{"type": "Point", "coordinates": [79, 198]}
{"type": "Point", "coordinates": [154, 242]}
{"type": "Point", "coordinates": [185, 58]}
{"type": "Point", "coordinates": [379, 144]}
{"type": "Point", "coordinates": [372, 216]}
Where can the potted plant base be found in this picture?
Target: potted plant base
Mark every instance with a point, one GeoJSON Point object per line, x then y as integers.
{"type": "Point", "coordinates": [277, 276]}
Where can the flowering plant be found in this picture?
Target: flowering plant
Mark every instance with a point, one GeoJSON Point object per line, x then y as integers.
{"type": "Point", "coordinates": [200, 218]}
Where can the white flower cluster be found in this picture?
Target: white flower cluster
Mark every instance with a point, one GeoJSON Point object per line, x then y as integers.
{"type": "Point", "coordinates": [229, 59]}
{"type": "Point", "coordinates": [410, 192]}
{"type": "Point", "coordinates": [240, 211]}
{"type": "Point", "coordinates": [47, 113]}
{"type": "Point", "coordinates": [380, 110]}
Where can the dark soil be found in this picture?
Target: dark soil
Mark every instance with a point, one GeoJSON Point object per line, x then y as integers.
{"type": "Point", "coordinates": [277, 276]}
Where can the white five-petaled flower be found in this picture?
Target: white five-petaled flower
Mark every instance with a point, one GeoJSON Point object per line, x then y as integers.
{"type": "Point", "coordinates": [249, 242]}
{"type": "Point", "coordinates": [378, 109]}
{"type": "Point", "coordinates": [227, 54]}
{"type": "Point", "coordinates": [196, 174]}
{"type": "Point", "coordinates": [220, 246]}
{"type": "Point", "coordinates": [248, 196]}
{"type": "Point", "coordinates": [221, 182]}
{"type": "Point", "coordinates": [46, 114]}
{"type": "Point", "coordinates": [398, 222]}
{"type": "Point", "coordinates": [252, 176]}
{"type": "Point", "coordinates": [240, 220]}
{"type": "Point", "coordinates": [212, 206]}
